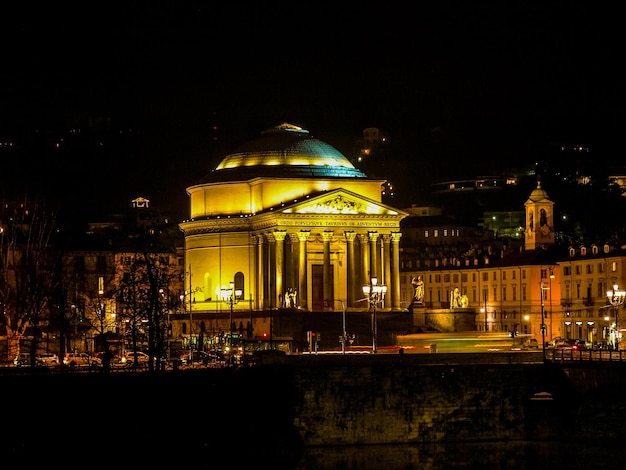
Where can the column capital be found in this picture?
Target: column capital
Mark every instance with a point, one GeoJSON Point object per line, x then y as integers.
{"type": "Point", "coordinates": [363, 237]}
{"type": "Point", "coordinates": [280, 235]}
{"type": "Point", "coordinates": [303, 235]}
{"type": "Point", "coordinates": [373, 236]}
{"type": "Point", "coordinates": [395, 236]}
{"type": "Point", "coordinates": [350, 236]}
{"type": "Point", "coordinates": [327, 235]}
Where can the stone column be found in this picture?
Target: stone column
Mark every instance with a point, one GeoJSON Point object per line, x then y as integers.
{"type": "Point", "coordinates": [302, 300]}
{"type": "Point", "coordinates": [365, 259]}
{"type": "Point", "coordinates": [352, 273]}
{"type": "Point", "coordinates": [327, 237]}
{"type": "Point", "coordinates": [395, 271]}
{"type": "Point", "coordinates": [270, 273]}
{"type": "Point", "coordinates": [385, 264]}
{"type": "Point", "coordinates": [279, 236]}
{"type": "Point", "coordinates": [260, 283]}
{"type": "Point", "coordinates": [373, 236]}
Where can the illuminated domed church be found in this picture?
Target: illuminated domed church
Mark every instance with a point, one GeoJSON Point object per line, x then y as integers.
{"type": "Point", "coordinates": [287, 223]}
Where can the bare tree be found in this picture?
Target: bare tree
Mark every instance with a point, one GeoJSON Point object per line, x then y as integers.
{"type": "Point", "coordinates": [146, 286]}
{"type": "Point", "coordinates": [27, 270]}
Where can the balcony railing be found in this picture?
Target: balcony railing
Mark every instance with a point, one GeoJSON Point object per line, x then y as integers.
{"type": "Point", "coordinates": [596, 355]}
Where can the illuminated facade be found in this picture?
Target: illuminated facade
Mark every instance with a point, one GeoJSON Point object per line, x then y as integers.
{"type": "Point", "coordinates": [540, 219]}
{"type": "Point", "coordinates": [505, 286]}
{"type": "Point", "coordinates": [294, 225]}
{"type": "Point", "coordinates": [588, 272]}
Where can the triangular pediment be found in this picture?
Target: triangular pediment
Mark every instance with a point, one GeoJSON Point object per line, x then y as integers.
{"type": "Point", "coordinates": [340, 202]}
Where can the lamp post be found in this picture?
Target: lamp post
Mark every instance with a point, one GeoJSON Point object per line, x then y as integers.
{"type": "Point", "coordinates": [616, 298]}
{"type": "Point", "coordinates": [543, 323]}
{"type": "Point", "coordinates": [484, 311]}
{"type": "Point", "coordinates": [231, 297]}
{"type": "Point", "coordinates": [375, 294]}
{"type": "Point", "coordinates": [190, 293]}
{"type": "Point", "coordinates": [343, 332]}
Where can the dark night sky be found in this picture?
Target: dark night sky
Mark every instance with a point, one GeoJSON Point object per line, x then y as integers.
{"type": "Point", "coordinates": [459, 86]}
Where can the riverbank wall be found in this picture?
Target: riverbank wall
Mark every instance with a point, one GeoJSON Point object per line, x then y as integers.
{"type": "Point", "coordinates": [290, 402]}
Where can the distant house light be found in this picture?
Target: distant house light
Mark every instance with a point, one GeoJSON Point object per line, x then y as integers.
{"type": "Point", "coordinates": [140, 202]}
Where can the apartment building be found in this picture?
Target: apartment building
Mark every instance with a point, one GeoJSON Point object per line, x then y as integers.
{"type": "Point", "coordinates": [508, 286]}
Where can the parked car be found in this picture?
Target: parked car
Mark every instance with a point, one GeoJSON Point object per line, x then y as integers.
{"type": "Point", "coordinates": [140, 358]}
{"type": "Point", "coordinates": [196, 357]}
{"type": "Point", "coordinates": [102, 354]}
{"type": "Point", "coordinates": [581, 345]}
{"type": "Point", "coordinates": [216, 358]}
{"type": "Point", "coordinates": [569, 344]}
{"type": "Point", "coordinates": [205, 358]}
{"type": "Point", "coordinates": [532, 344]}
{"type": "Point", "coordinates": [47, 359]}
{"type": "Point", "coordinates": [560, 343]}
{"type": "Point", "coordinates": [81, 360]}
{"type": "Point", "coordinates": [23, 360]}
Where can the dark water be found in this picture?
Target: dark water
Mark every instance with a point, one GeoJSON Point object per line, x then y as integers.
{"type": "Point", "coordinates": [496, 455]}
{"type": "Point", "coordinates": [484, 456]}
{"type": "Point", "coordinates": [237, 454]}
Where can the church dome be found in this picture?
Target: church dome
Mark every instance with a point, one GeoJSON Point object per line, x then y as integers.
{"type": "Point", "coordinates": [285, 151]}
{"type": "Point", "coordinates": [538, 195]}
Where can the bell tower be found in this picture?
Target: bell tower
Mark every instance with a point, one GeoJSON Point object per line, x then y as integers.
{"type": "Point", "coordinates": [539, 219]}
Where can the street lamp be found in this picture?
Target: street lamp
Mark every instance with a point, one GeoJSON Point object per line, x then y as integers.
{"type": "Point", "coordinates": [343, 332]}
{"type": "Point", "coordinates": [231, 297]}
{"type": "Point", "coordinates": [543, 323]}
{"type": "Point", "coordinates": [190, 293]}
{"type": "Point", "coordinates": [375, 294]}
{"type": "Point", "coordinates": [616, 298]}
{"type": "Point", "coordinates": [483, 310]}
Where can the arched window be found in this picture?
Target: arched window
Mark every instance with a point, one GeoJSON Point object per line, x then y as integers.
{"type": "Point", "coordinates": [239, 284]}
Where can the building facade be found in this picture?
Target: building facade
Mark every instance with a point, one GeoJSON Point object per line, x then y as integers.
{"type": "Point", "coordinates": [513, 287]}
{"type": "Point", "coordinates": [292, 224]}
{"type": "Point", "coordinates": [588, 275]}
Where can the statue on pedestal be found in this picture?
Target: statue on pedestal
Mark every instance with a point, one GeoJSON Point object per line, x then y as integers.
{"type": "Point", "coordinates": [418, 284]}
